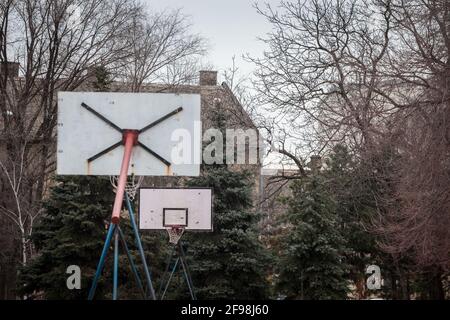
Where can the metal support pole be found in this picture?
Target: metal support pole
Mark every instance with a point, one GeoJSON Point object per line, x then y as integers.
{"type": "Point", "coordinates": [130, 139]}
{"type": "Point", "coordinates": [135, 271]}
{"type": "Point", "coordinates": [186, 271]}
{"type": "Point", "coordinates": [141, 250]}
{"type": "Point", "coordinates": [101, 263]}
{"type": "Point", "coordinates": [116, 265]}
{"type": "Point", "coordinates": [170, 277]}
{"type": "Point", "coordinates": [163, 278]}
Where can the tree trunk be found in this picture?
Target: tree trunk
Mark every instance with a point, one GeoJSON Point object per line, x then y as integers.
{"type": "Point", "coordinates": [436, 289]}
{"type": "Point", "coordinates": [23, 239]}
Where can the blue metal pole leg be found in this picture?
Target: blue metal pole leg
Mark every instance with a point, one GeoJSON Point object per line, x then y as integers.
{"type": "Point", "coordinates": [141, 250]}
{"type": "Point", "coordinates": [116, 264]}
{"type": "Point", "coordinates": [186, 272]}
{"type": "Point", "coordinates": [135, 271]}
{"type": "Point", "coordinates": [166, 272]}
{"type": "Point", "coordinates": [170, 278]}
{"type": "Point", "coordinates": [101, 263]}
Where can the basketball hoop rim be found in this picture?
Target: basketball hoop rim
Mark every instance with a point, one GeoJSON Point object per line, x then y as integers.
{"type": "Point", "coordinates": [176, 227]}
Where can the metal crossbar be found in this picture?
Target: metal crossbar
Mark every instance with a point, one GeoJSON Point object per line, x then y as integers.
{"type": "Point", "coordinates": [121, 130]}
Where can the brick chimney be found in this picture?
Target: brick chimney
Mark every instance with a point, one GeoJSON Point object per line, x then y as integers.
{"type": "Point", "coordinates": [11, 67]}
{"type": "Point", "coordinates": [208, 78]}
{"type": "Point", "coordinates": [316, 163]}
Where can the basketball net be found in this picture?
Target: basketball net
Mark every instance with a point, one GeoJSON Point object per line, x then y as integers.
{"type": "Point", "coordinates": [131, 187]}
{"type": "Point", "coordinates": [175, 233]}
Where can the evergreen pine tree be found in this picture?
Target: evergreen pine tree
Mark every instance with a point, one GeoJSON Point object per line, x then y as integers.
{"type": "Point", "coordinates": [70, 232]}
{"type": "Point", "coordinates": [102, 80]}
{"type": "Point", "coordinates": [312, 250]}
{"type": "Point", "coordinates": [352, 198]}
{"type": "Point", "coordinates": [230, 262]}
{"type": "Point", "coordinates": [359, 189]}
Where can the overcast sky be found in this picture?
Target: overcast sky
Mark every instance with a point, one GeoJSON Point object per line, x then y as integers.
{"type": "Point", "coordinates": [231, 27]}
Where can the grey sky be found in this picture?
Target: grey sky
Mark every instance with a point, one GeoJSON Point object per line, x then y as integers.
{"type": "Point", "coordinates": [231, 27]}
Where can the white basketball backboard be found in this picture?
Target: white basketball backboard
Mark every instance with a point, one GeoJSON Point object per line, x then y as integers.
{"type": "Point", "coordinates": [90, 137]}
{"type": "Point", "coordinates": [161, 208]}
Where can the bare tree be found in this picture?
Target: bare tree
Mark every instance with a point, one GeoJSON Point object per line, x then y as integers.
{"type": "Point", "coordinates": [54, 43]}
{"type": "Point", "coordinates": [161, 49]}
{"type": "Point", "coordinates": [320, 74]}
{"type": "Point", "coordinates": [418, 224]}
{"type": "Point", "coordinates": [239, 84]}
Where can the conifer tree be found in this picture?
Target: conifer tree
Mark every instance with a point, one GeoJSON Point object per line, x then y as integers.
{"type": "Point", "coordinates": [70, 232]}
{"type": "Point", "coordinates": [230, 262]}
{"type": "Point", "coordinates": [312, 250]}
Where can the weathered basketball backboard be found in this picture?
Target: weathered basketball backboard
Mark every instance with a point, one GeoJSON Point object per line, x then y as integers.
{"type": "Point", "coordinates": [162, 208]}
{"type": "Point", "coordinates": [91, 129]}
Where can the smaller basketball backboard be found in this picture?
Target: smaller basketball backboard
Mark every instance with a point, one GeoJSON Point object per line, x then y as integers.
{"type": "Point", "coordinates": [162, 208]}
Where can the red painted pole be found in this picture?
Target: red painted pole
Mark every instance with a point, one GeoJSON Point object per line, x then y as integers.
{"type": "Point", "coordinates": [130, 139]}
